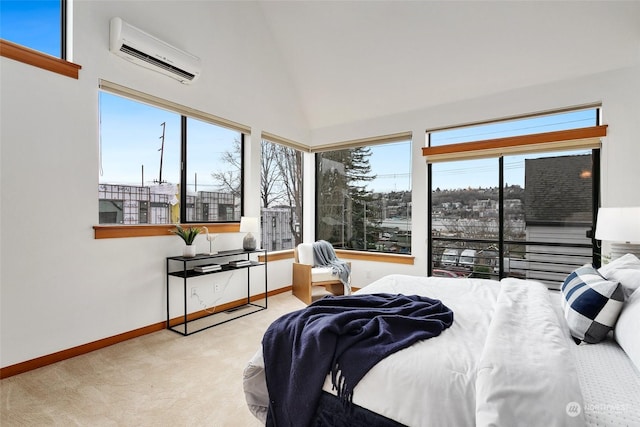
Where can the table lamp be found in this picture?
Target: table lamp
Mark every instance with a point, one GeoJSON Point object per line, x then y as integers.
{"type": "Point", "coordinates": [249, 225]}
{"type": "Point", "coordinates": [621, 226]}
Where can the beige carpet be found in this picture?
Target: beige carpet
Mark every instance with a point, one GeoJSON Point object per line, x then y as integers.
{"type": "Point", "coordinates": [160, 379]}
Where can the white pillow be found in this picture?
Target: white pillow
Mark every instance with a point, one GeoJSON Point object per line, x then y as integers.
{"type": "Point", "coordinates": [625, 270]}
{"type": "Point", "coordinates": [628, 278]}
{"type": "Point", "coordinates": [625, 261]}
{"type": "Point", "coordinates": [626, 330]}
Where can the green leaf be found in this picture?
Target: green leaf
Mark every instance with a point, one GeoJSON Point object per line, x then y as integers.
{"type": "Point", "coordinates": [188, 234]}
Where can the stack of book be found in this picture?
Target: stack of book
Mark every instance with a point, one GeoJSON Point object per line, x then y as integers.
{"type": "Point", "coordinates": [207, 268]}
{"type": "Point", "coordinates": [240, 263]}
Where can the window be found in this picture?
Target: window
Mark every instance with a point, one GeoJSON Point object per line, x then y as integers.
{"type": "Point", "coordinates": [516, 127]}
{"type": "Point", "coordinates": [36, 24]}
{"type": "Point", "coordinates": [213, 172]}
{"type": "Point", "coordinates": [281, 195]}
{"type": "Point", "coordinates": [141, 181]}
{"type": "Point", "coordinates": [363, 197]}
{"type": "Point", "coordinates": [519, 214]}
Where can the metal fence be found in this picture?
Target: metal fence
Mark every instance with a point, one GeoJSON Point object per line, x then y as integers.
{"type": "Point", "coordinates": [547, 262]}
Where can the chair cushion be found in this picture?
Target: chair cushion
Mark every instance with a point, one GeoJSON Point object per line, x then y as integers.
{"type": "Point", "coordinates": [305, 253]}
{"type": "Point", "coordinates": [322, 274]}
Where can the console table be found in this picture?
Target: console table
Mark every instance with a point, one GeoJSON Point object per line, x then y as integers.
{"type": "Point", "coordinates": [184, 268]}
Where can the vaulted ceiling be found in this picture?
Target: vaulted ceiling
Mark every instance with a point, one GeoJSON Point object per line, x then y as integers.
{"type": "Point", "coordinates": [357, 60]}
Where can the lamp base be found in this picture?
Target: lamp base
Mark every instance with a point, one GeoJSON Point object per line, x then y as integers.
{"type": "Point", "coordinates": [249, 242]}
{"type": "Point", "coordinates": [620, 249]}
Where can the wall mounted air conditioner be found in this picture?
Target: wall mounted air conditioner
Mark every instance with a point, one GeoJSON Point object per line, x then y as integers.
{"type": "Point", "coordinates": [147, 51]}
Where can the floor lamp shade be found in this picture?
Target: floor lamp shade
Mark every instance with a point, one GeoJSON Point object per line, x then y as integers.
{"type": "Point", "coordinates": [249, 225]}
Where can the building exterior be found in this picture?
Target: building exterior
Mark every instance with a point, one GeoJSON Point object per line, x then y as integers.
{"type": "Point", "coordinates": [129, 204]}
{"type": "Point", "coordinates": [557, 211]}
{"type": "Point", "coordinates": [276, 230]}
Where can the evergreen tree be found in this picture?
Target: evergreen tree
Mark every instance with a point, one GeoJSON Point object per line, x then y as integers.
{"type": "Point", "coordinates": [345, 208]}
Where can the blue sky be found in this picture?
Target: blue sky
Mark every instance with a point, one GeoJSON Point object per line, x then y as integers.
{"type": "Point", "coordinates": [130, 137]}
{"type": "Point", "coordinates": [35, 24]}
{"type": "Point", "coordinates": [392, 165]}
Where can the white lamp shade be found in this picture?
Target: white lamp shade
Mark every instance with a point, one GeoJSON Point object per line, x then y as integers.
{"type": "Point", "coordinates": [249, 224]}
{"type": "Point", "coordinates": [618, 224]}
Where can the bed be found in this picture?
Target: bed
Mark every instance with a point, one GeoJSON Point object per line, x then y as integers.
{"type": "Point", "coordinates": [508, 359]}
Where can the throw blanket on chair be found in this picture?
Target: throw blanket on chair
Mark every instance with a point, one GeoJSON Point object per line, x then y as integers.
{"type": "Point", "coordinates": [344, 335]}
{"type": "Point", "coordinates": [324, 255]}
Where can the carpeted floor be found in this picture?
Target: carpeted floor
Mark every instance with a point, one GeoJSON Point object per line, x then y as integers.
{"type": "Point", "coordinates": [160, 379]}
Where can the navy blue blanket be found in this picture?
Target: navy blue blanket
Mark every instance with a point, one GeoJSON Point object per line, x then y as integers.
{"type": "Point", "coordinates": [344, 335]}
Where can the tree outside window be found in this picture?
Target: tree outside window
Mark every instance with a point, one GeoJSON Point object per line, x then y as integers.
{"type": "Point", "coordinates": [363, 197]}
{"type": "Point", "coordinates": [281, 196]}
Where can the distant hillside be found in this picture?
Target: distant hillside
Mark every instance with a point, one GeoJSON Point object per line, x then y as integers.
{"type": "Point", "coordinates": [468, 196]}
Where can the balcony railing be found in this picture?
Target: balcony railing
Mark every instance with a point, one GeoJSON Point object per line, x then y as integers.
{"type": "Point", "coordinates": [547, 262]}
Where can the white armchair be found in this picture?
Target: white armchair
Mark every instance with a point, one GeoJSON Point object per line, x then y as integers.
{"type": "Point", "coordinates": [305, 275]}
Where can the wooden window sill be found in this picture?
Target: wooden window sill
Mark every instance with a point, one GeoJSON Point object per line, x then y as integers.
{"type": "Point", "coordinates": [570, 139]}
{"type": "Point", "coordinates": [347, 254]}
{"type": "Point", "coordinates": [120, 231]}
{"type": "Point", "coordinates": [375, 256]}
{"type": "Point", "coordinates": [38, 59]}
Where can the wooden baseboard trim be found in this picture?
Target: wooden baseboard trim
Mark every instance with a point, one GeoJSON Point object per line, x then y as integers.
{"type": "Point", "coordinates": [59, 356]}
{"type": "Point", "coordinates": [49, 359]}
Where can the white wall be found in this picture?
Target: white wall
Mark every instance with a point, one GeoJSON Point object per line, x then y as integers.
{"type": "Point", "coordinates": [61, 288]}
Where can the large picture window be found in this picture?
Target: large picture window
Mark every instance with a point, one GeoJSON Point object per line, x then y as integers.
{"type": "Point", "coordinates": [142, 148]}
{"type": "Point", "coordinates": [363, 197]}
{"type": "Point", "coordinates": [527, 215]}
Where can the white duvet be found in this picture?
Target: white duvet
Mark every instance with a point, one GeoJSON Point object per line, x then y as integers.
{"type": "Point", "coordinates": [503, 362]}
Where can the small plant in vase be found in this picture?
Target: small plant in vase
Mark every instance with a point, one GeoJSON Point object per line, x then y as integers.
{"type": "Point", "coordinates": [188, 235]}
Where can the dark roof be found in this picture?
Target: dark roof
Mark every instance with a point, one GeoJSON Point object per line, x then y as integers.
{"type": "Point", "coordinates": [558, 189]}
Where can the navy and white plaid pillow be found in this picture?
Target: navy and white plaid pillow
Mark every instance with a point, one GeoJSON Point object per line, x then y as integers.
{"type": "Point", "coordinates": [591, 304]}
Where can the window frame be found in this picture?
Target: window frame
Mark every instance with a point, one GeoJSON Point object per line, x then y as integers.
{"type": "Point", "coordinates": [563, 140]}
{"type": "Point", "coordinates": [364, 143]}
{"type": "Point", "coordinates": [184, 148]}
{"type": "Point", "coordinates": [102, 231]}
{"type": "Point", "coordinates": [297, 236]}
